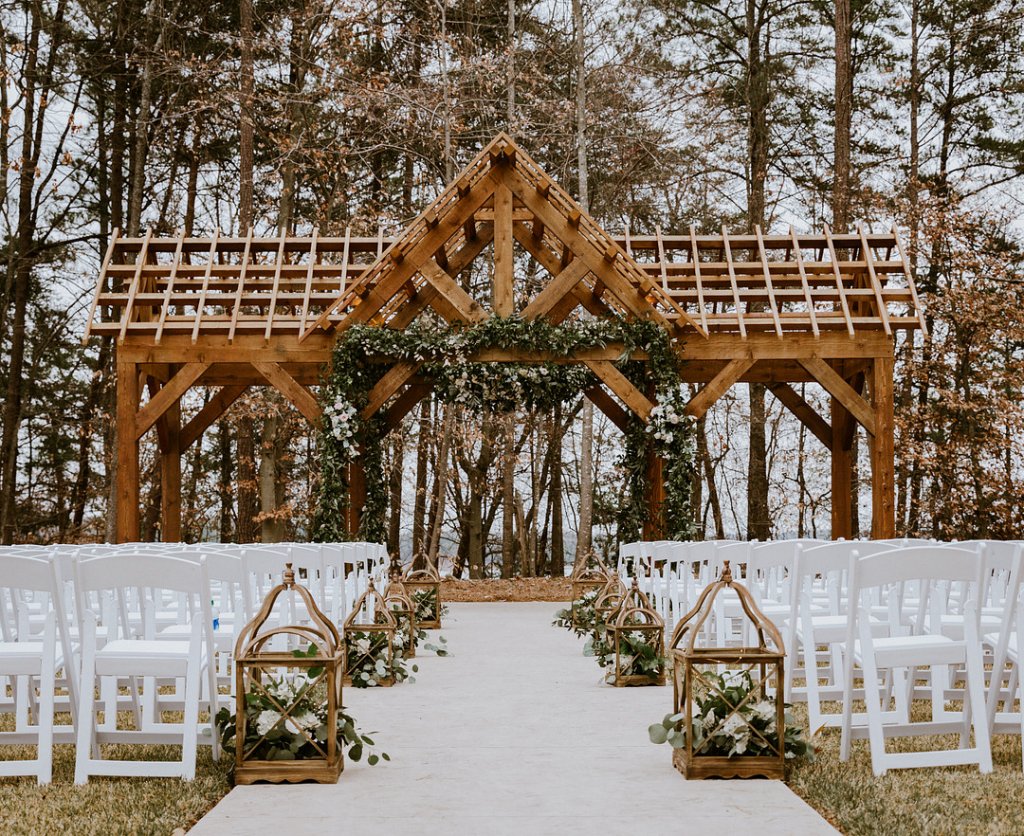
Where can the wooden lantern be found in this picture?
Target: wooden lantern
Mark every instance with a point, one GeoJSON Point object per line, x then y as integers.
{"type": "Point", "coordinates": [402, 608]}
{"type": "Point", "coordinates": [424, 588]}
{"type": "Point", "coordinates": [369, 633]}
{"type": "Point", "coordinates": [609, 599]}
{"type": "Point", "coordinates": [705, 672]}
{"type": "Point", "coordinates": [638, 630]}
{"type": "Point", "coordinates": [586, 578]}
{"type": "Point", "coordinates": [276, 675]}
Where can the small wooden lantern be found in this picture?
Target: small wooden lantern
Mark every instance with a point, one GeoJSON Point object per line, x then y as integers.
{"type": "Point", "coordinates": [708, 672]}
{"type": "Point", "coordinates": [609, 599]}
{"type": "Point", "coordinates": [586, 578]}
{"type": "Point", "coordinates": [402, 608]}
{"type": "Point", "coordinates": [369, 633]}
{"type": "Point", "coordinates": [307, 684]}
{"type": "Point", "coordinates": [638, 637]}
{"type": "Point", "coordinates": [424, 588]}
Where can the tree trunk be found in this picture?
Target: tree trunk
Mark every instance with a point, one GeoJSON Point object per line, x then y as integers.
{"type": "Point", "coordinates": [419, 506]}
{"type": "Point", "coordinates": [584, 538]}
{"type": "Point", "coordinates": [395, 490]}
{"type": "Point", "coordinates": [22, 281]}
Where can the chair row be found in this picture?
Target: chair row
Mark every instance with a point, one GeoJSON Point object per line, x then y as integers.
{"type": "Point", "coordinates": [901, 621]}
{"type": "Point", "coordinates": [152, 628]}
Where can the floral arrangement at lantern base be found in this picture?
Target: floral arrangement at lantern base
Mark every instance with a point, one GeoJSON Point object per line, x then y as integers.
{"type": "Point", "coordinates": [287, 720]}
{"type": "Point", "coordinates": [735, 731]}
{"type": "Point", "coordinates": [729, 720]}
{"type": "Point", "coordinates": [579, 618]}
{"type": "Point", "coordinates": [288, 723]}
{"type": "Point", "coordinates": [424, 588]}
{"type": "Point", "coordinates": [370, 663]}
{"type": "Point", "coordinates": [633, 644]}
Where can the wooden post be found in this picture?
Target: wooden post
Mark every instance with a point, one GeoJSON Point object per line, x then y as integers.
{"type": "Point", "coordinates": [654, 527]}
{"type": "Point", "coordinates": [356, 496]}
{"type": "Point", "coordinates": [170, 476]}
{"type": "Point", "coordinates": [842, 470]}
{"type": "Point", "coordinates": [883, 504]}
{"type": "Point", "coordinates": [503, 255]}
{"type": "Point", "coordinates": [127, 528]}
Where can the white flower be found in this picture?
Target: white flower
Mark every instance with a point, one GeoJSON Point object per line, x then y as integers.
{"type": "Point", "coordinates": [266, 721]}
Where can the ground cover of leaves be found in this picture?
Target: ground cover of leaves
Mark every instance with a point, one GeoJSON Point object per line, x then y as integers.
{"type": "Point", "coordinates": [513, 589]}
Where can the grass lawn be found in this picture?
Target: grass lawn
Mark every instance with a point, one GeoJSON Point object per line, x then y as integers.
{"type": "Point", "coordinates": [108, 805]}
{"type": "Point", "coordinates": [936, 800]}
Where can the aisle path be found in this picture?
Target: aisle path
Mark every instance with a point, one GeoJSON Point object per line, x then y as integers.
{"type": "Point", "coordinates": [513, 734]}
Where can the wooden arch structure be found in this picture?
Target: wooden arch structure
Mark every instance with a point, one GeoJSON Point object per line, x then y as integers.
{"type": "Point", "coordinates": [232, 313]}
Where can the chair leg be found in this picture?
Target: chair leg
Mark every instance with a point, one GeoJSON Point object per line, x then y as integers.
{"type": "Point", "coordinates": [975, 692]}
{"type": "Point", "coordinates": [44, 717]}
{"type": "Point", "coordinates": [86, 739]}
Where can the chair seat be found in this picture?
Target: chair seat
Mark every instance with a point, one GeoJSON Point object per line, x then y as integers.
{"type": "Point", "coordinates": [223, 636]}
{"type": "Point", "coordinates": [142, 657]}
{"type": "Point", "coordinates": [928, 649]}
{"type": "Point", "coordinates": [833, 628]}
{"type": "Point", "coordinates": [18, 658]}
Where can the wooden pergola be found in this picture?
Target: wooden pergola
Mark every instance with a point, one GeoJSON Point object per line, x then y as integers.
{"type": "Point", "coordinates": [233, 312]}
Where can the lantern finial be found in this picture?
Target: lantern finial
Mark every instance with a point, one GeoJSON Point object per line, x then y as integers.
{"type": "Point", "coordinates": [288, 577]}
{"type": "Point", "coordinates": [726, 572]}
{"type": "Point", "coordinates": [369, 585]}
{"type": "Point", "coordinates": [635, 584]}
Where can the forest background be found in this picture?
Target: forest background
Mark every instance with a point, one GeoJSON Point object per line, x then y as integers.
{"type": "Point", "coordinates": [285, 114]}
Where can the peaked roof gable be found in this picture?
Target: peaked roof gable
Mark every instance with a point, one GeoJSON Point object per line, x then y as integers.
{"type": "Point", "coordinates": [503, 196]}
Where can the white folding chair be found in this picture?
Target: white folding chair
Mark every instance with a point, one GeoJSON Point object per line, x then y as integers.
{"type": "Point", "coordinates": [902, 655]}
{"type": "Point", "coordinates": [128, 656]}
{"type": "Point", "coordinates": [27, 659]}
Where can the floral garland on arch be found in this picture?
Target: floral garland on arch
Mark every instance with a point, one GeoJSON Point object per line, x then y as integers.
{"type": "Point", "coordinates": [365, 353]}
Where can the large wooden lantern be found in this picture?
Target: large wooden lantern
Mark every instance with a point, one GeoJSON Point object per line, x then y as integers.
{"type": "Point", "coordinates": [637, 638]}
{"type": "Point", "coordinates": [402, 608]}
{"type": "Point", "coordinates": [288, 682]}
{"type": "Point", "coordinates": [729, 699]}
{"type": "Point", "coordinates": [424, 588]}
{"type": "Point", "coordinates": [587, 580]}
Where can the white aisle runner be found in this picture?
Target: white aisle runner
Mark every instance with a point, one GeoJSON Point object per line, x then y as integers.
{"type": "Point", "coordinates": [512, 734]}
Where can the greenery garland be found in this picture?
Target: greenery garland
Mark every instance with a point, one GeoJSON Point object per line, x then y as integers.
{"type": "Point", "coordinates": [364, 353]}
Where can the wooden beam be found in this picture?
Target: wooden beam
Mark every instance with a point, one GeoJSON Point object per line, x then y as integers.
{"type": "Point", "coordinates": [211, 411]}
{"type": "Point", "coordinates": [503, 255]}
{"type": "Point", "coordinates": [609, 406]}
{"type": "Point", "coordinates": [843, 425]}
{"type": "Point", "coordinates": [791, 399]}
{"type": "Point", "coordinates": [883, 504]}
{"type": "Point", "coordinates": [836, 386]}
{"type": "Point", "coordinates": [411, 396]}
{"type": "Point", "coordinates": [621, 386]}
{"type": "Point", "coordinates": [133, 289]}
{"type": "Point", "coordinates": [393, 380]}
{"type": "Point", "coordinates": [127, 512]}
{"type": "Point", "coordinates": [170, 475]}
{"type": "Point", "coordinates": [556, 290]}
{"type": "Point", "coordinates": [700, 403]}
{"type": "Point", "coordinates": [468, 308]}
{"type": "Point", "coordinates": [300, 397]}
{"type": "Point", "coordinates": [391, 282]}
{"type": "Point", "coordinates": [170, 393]}
{"type": "Point", "coordinates": [629, 295]}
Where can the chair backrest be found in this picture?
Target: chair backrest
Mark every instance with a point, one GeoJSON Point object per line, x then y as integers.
{"type": "Point", "coordinates": [144, 576]}
{"type": "Point", "coordinates": [933, 568]}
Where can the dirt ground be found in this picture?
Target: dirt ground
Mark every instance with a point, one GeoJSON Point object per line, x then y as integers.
{"type": "Point", "coordinates": [515, 589]}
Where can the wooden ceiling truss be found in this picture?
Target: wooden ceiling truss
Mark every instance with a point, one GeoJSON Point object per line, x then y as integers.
{"type": "Point", "coordinates": [231, 313]}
